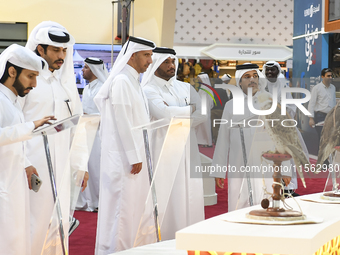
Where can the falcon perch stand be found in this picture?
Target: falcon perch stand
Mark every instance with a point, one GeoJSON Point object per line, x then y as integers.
{"type": "Point", "coordinates": [275, 210]}
{"type": "Point", "coordinates": [336, 192]}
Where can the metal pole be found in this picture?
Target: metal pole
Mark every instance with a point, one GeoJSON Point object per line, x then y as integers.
{"type": "Point", "coordinates": [124, 21]}
{"type": "Point", "coordinates": [112, 40]}
{"type": "Point", "coordinates": [335, 186]}
{"type": "Point", "coordinates": [153, 190]}
{"type": "Point", "coordinates": [133, 17]}
{"type": "Point", "coordinates": [55, 194]}
{"type": "Point", "coordinates": [68, 106]}
{"type": "Point", "coordinates": [250, 191]}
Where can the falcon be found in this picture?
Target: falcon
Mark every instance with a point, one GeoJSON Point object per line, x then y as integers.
{"type": "Point", "coordinates": [285, 138]}
{"type": "Point", "coordinates": [330, 135]}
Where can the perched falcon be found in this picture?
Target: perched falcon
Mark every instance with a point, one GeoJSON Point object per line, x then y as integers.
{"type": "Point", "coordinates": [285, 138]}
{"type": "Point", "coordinates": [330, 135]}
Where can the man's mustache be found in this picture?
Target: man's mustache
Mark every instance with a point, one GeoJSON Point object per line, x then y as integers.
{"type": "Point", "coordinates": [59, 60]}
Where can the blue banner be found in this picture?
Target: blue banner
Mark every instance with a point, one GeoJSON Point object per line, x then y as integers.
{"type": "Point", "coordinates": [307, 16]}
{"type": "Point", "coordinates": [309, 56]}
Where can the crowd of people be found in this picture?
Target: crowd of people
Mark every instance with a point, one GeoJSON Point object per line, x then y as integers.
{"type": "Point", "coordinates": [38, 87]}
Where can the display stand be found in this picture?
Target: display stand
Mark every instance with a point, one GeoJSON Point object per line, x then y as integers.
{"type": "Point", "coordinates": [85, 128]}
{"type": "Point", "coordinates": [335, 193]}
{"type": "Point", "coordinates": [276, 210]}
{"type": "Point", "coordinates": [158, 196]}
{"type": "Point", "coordinates": [244, 153]}
{"type": "Point", "coordinates": [152, 126]}
{"type": "Point", "coordinates": [332, 159]}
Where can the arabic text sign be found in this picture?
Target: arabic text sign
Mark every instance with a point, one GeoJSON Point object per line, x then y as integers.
{"type": "Point", "coordinates": [247, 52]}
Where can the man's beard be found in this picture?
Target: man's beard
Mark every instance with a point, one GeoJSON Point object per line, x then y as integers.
{"type": "Point", "coordinates": [272, 79]}
{"type": "Point", "coordinates": [57, 67]}
{"type": "Point", "coordinates": [20, 88]}
{"type": "Point", "coordinates": [165, 75]}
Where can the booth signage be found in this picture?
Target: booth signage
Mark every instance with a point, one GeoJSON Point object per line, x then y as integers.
{"type": "Point", "coordinates": [249, 52]}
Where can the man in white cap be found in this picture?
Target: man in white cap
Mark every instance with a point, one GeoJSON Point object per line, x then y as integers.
{"type": "Point", "coordinates": [226, 78]}
{"type": "Point", "coordinates": [124, 180]}
{"type": "Point", "coordinates": [169, 97]}
{"type": "Point", "coordinates": [57, 95]}
{"type": "Point", "coordinates": [19, 68]}
{"type": "Point", "coordinates": [228, 150]}
{"type": "Point", "coordinates": [95, 72]}
{"type": "Point", "coordinates": [275, 79]}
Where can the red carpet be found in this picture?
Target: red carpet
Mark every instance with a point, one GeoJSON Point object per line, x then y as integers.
{"type": "Point", "coordinates": [82, 241]}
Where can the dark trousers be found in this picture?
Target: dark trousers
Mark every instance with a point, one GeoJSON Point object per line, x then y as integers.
{"type": "Point", "coordinates": [318, 117]}
{"type": "Point", "coordinates": [215, 114]}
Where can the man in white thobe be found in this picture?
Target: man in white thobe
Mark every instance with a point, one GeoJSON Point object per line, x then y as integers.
{"type": "Point", "coordinates": [19, 68]}
{"type": "Point", "coordinates": [275, 79]}
{"type": "Point", "coordinates": [95, 72]}
{"type": "Point", "coordinates": [228, 150]}
{"type": "Point", "coordinates": [226, 78]}
{"type": "Point", "coordinates": [56, 95]}
{"type": "Point", "coordinates": [124, 180]}
{"type": "Point", "coordinates": [169, 97]}
{"type": "Point", "coordinates": [204, 134]}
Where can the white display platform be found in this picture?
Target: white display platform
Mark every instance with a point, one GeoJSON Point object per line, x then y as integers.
{"type": "Point", "coordinates": [317, 198]}
{"type": "Point", "coordinates": [161, 248]}
{"type": "Point", "coordinates": [218, 235]}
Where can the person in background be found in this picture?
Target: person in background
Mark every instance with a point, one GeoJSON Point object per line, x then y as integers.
{"type": "Point", "coordinates": [217, 110]}
{"type": "Point", "coordinates": [203, 130]}
{"type": "Point", "coordinates": [95, 72]}
{"type": "Point", "coordinates": [169, 97]}
{"type": "Point", "coordinates": [276, 80]}
{"type": "Point", "coordinates": [323, 99]}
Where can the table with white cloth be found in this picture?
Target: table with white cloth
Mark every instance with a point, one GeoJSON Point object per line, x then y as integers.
{"type": "Point", "coordinates": [225, 237]}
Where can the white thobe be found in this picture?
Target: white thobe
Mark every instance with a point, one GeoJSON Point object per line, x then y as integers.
{"type": "Point", "coordinates": [14, 203]}
{"type": "Point", "coordinates": [186, 204]}
{"type": "Point", "coordinates": [89, 92]}
{"type": "Point", "coordinates": [228, 152]}
{"type": "Point", "coordinates": [204, 134]}
{"type": "Point", "coordinates": [48, 98]}
{"type": "Point", "coordinates": [122, 195]}
{"type": "Point", "coordinates": [279, 85]}
{"type": "Point", "coordinates": [88, 199]}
